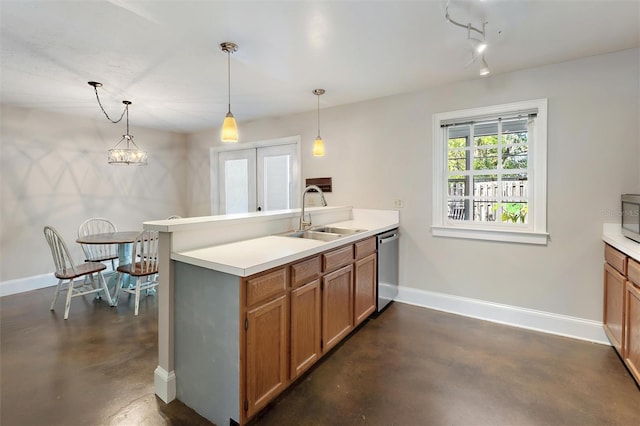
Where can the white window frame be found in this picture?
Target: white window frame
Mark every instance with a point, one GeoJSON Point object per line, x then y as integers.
{"type": "Point", "coordinates": [535, 232]}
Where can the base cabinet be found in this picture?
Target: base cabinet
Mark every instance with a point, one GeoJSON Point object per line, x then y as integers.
{"type": "Point", "coordinates": [337, 306]}
{"type": "Point", "coordinates": [632, 335]}
{"type": "Point", "coordinates": [305, 327]}
{"type": "Point", "coordinates": [621, 316]}
{"type": "Point", "coordinates": [266, 368]}
{"type": "Point", "coordinates": [614, 293]}
{"type": "Point", "coordinates": [365, 288]}
{"type": "Point", "coordinates": [296, 313]}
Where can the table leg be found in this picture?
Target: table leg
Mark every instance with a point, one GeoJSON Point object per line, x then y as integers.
{"type": "Point", "coordinates": [124, 258]}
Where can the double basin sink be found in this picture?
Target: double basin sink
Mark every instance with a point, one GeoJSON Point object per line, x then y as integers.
{"type": "Point", "coordinates": [324, 233]}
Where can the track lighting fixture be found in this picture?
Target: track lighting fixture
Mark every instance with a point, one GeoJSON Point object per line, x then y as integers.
{"type": "Point", "coordinates": [479, 44]}
{"type": "Point", "coordinates": [131, 154]}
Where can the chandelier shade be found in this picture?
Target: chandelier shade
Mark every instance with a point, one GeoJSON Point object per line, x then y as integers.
{"type": "Point", "coordinates": [131, 155]}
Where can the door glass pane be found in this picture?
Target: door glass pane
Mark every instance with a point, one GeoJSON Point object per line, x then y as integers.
{"type": "Point", "coordinates": [277, 189]}
{"type": "Point", "coordinates": [236, 184]}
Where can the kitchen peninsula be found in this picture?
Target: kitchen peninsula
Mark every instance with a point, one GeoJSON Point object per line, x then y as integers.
{"type": "Point", "coordinates": [244, 308]}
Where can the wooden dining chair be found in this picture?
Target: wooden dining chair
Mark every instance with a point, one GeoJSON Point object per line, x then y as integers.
{"type": "Point", "coordinates": [144, 266]}
{"type": "Point", "coordinates": [67, 272]}
{"type": "Point", "coordinates": [98, 252]}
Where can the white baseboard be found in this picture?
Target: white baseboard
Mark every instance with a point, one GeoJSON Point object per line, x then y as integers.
{"type": "Point", "coordinates": [546, 322]}
{"type": "Point", "coordinates": [165, 384]}
{"type": "Point", "coordinates": [36, 282]}
{"type": "Point", "coordinates": [22, 285]}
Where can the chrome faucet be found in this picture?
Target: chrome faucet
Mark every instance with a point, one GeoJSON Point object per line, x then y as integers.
{"type": "Point", "coordinates": [304, 223]}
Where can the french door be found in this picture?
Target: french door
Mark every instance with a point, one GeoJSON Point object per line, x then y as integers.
{"type": "Point", "coordinates": [237, 181]}
{"type": "Point", "coordinates": [264, 176]}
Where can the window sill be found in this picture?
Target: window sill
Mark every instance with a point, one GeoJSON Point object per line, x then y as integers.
{"type": "Point", "coordinates": [473, 233]}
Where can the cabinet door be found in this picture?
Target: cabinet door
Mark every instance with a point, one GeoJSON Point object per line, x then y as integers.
{"type": "Point", "coordinates": [305, 327]}
{"type": "Point", "coordinates": [337, 306]}
{"type": "Point", "coordinates": [266, 353]}
{"type": "Point", "coordinates": [365, 288]}
{"type": "Point", "coordinates": [632, 341]}
{"type": "Point", "coordinates": [614, 291]}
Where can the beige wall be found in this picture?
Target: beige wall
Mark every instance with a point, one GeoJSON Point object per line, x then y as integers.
{"type": "Point", "coordinates": [54, 171]}
{"type": "Point", "coordinates": [380, 150]}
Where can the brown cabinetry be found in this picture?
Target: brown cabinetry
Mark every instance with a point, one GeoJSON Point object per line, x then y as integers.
{"type": "Point", "coordinates": [266, 353]}
{"type": "Point", "coordinates": [632, 331]}
{"type": "Point", "coordinates": [365, 279]}
{"type": "Point", "coordinates": [621, 315]}
{"type": "Point", "coordinates": [614, 291]}
{"type": "Point", "coordinates": [365, 288]}
{"type": "Point", "coordinates": [632, 320]}
{"type": "Point", "coordinates": [295, 313]}
{"type": "Point", "coordinates": [305, 327]}
{"type": "Point", "coordinates": [337, 306]}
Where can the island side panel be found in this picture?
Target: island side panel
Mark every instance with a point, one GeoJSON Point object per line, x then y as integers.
{"type": "Point", "coordinates": [207, 350]}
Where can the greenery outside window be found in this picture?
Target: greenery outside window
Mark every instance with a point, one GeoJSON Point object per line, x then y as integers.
{"type": "Point", "coordinates": [490, 173]}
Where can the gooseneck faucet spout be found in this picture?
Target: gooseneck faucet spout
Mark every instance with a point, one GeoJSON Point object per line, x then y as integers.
{"type": "Point", "coordinates": [303, 222]}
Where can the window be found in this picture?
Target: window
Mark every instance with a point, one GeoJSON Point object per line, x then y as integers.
{"type": "Point", "coordinates": [490, 173]}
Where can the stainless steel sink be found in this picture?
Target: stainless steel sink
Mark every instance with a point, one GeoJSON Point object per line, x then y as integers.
{"type": "Point", "coordinates": [334, 230]}
{"type": "Point", "coordinates": [313, 235]}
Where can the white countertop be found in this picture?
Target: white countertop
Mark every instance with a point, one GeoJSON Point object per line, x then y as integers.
{"type": "Point", "coordinates": [248, 257]}
{"type": "Point", "coordinates": [612, 235]}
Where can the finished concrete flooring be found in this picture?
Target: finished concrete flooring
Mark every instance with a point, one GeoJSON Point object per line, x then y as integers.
{"type": "Point", "coordinates": [409, 366]}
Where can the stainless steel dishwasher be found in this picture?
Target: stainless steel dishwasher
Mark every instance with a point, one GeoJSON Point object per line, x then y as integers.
{"type": "Point", "coordinates": [388, 272]}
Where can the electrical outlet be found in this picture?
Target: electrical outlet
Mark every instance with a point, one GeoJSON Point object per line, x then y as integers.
{"type": "Point", "coordinates": [311, 202]}
{"type": "Point", "coordinates": [398, 204]}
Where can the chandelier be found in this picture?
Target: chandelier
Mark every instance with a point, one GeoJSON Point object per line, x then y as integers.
{"type": "Point", "coordinates": [128, 153]}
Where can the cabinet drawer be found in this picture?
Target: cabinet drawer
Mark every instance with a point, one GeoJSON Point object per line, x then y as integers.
{"type": "Point", "coordinates": [633, 271]}
{"type": "Point", "coordinates": [616, 259]}
{"type": "Point", "coordinates": [263, 286]}
{"type": "Point", "coordinates": [365, 247]}
{"type": "Point", "coordinates": [305, 271]}
{"type": "Point", "coordinates": [337, 258]}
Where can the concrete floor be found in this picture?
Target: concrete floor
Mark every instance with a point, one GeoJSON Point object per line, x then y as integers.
{"type": "Point", "coordinates": [410, 366]}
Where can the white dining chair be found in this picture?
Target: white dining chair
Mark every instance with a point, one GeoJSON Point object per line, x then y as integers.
{"type": "Point", "coordinates": [67, 272]}
{"type": "Point", "coordinates": [98, 252]}
{"type": "Point", "coordinates": [145, 266]}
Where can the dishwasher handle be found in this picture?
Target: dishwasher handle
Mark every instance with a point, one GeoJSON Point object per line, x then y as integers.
{"type": "Point", "coordinates": [387, 238]}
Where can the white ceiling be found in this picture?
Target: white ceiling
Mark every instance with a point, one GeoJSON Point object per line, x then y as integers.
{"type": "Point", "coordinates": [164, 56]}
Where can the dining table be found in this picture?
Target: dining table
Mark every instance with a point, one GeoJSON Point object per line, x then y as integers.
{"type": "Point", "coordinates": [124, 240]}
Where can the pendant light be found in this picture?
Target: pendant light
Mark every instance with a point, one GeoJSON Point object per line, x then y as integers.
{"type": "Point", "coordinates": [229, 127]}
{"type": "Point", "coordinates": [131, 155]}
{"type": "Point", "coordinates": [318, 145]}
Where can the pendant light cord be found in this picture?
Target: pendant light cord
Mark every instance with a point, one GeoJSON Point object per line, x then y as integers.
{"type": "Point", "coordinates": [126, 108]}
{"type": "Point", "coordinates": [318, 116]}
{"type": "Point", "coordinates": [229, 79]}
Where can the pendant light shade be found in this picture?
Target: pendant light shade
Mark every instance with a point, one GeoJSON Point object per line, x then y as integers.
{"type": "Point", "coordinates": [318, 145]}
{"type": "Point", "coordinates": [229, 131]}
